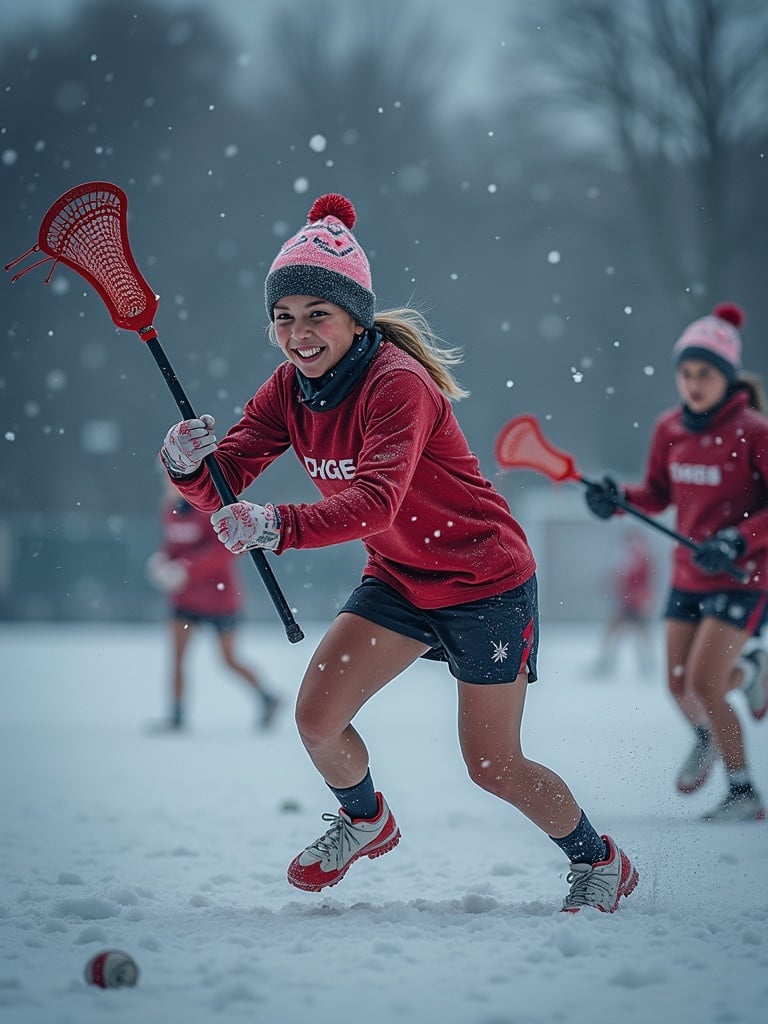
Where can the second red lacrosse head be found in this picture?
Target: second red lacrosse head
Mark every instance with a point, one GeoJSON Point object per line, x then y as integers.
{"type": "Point", "coordinates": [87, 230]}
{"type": "Point", "coordinates": [521, 445]}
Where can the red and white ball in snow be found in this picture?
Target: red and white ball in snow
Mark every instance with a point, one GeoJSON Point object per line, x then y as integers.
{"type": "Point", "coordinates": [112, 968]}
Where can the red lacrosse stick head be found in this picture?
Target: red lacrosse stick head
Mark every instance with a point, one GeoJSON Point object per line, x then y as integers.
{"type": "Point", "coordinates": [86, 229]}
{"type": "Point", "coordinates": [521, 445]}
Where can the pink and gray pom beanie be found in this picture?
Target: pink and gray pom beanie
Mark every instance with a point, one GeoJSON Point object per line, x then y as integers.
{"type": "Point", "coordinates": [714, 339]}
{"type": "Point", "coordinates": [324, 259]}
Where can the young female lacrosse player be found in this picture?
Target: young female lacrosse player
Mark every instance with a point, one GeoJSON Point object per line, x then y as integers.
{"type": "Point", "coordinates": [201, 582]}
{"type": "Point", "coordinates": [709, 458]}
{"type": "Point", "coordinates": [363, 399]}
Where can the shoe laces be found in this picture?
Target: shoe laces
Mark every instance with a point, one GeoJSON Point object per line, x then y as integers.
{"type": "Point", "coordinates": [588, 885]}
{"type": "Point", "coordinates": [337, 841]}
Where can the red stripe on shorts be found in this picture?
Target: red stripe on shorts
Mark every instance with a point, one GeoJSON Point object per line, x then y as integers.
{"type": "Point", "coordinates": [527, 645]}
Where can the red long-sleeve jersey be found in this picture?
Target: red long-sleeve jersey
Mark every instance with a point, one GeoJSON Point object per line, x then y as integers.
{"type": "Point", "coordinates": [211, 586]}
{"type": "Point", "coordinates": [395, 472]}
{"type": "Point", "coordinates": [715, 478]}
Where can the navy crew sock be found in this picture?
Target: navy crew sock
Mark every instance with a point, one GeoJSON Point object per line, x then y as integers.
{"type": "Point", "coordinates": [358, 801]}
{"type": "Point", "coordinates": [740, 783]}
{"type": "Point", "coordinates": [583, 845]}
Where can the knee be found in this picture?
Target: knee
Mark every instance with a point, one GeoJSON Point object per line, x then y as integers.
{"type": "Point", "coordinates": [676, 680]}
{"type": "Point", "coordinates": [306, 724]}
{"type": "Point", "coordinates": [703, 691]}
{"type": "Point", "coordinates": [701, 685]}
{"type": "Point", "coordinates": [316, 724]}
{"type": "Point", "coordinates": [496, 778]}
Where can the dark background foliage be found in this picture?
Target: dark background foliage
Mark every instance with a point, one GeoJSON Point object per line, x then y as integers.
{"type": "Point", "coordinates": [602, 193]}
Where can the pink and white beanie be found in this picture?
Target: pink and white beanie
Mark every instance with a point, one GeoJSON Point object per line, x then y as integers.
{"type": "Point", "coordinates": [715, 339]}
{"type": "Point", "coordinates": [324, 259]}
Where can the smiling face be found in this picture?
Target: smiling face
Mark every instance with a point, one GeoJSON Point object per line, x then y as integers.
{"type": "Point", "coordinates": [313, 333]}
{"type": "Point", "coordinates": [700, 385]}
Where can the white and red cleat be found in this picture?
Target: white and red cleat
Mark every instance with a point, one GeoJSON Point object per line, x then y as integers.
{"type": "Point", "coordinates": [746, 805]}
{"type": "Point", "coordinates": [603, 884]}
{"type": "Point", "coordinates": [696, 768]}
{"type": "Point", "coordinates": [329, 858]}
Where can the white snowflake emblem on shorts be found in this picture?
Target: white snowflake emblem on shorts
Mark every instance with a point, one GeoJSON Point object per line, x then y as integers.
{"type": "Point", "coordinates": [500, 651]}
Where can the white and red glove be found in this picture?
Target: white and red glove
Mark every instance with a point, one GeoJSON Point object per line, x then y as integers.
{"type": "Point", "coordinates": [187, 444]}
{"type": "Point", "coordinates": [166, 574]}
{"type": "Point", "coordinates": [243, 526]}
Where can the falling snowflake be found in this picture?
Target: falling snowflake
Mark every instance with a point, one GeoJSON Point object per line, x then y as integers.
{"type": "Point", "coordinates": [500, 651]}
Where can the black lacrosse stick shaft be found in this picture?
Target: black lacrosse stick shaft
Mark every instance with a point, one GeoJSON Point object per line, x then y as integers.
{"type": "Point", "coordinates": [292, 629]}
{"type": "Point", "coordinates": [622, 503]}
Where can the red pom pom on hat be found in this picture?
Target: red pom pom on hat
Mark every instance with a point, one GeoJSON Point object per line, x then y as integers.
{"type": "Point", "coordinates": [325, 259]}
{"type": "Point", "coordinates": [729, 312]}
{"type": "Point", "coordinates": [333, 205]}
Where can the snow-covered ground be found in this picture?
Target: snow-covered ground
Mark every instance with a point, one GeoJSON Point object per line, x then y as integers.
{"type": "Point", "coordinates": [174, 848]}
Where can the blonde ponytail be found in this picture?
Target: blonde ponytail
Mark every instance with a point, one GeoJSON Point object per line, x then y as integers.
{"type": "Point", "coordinates": [753, 386]}
{"type": "Point", "coordinates": [411, 332]}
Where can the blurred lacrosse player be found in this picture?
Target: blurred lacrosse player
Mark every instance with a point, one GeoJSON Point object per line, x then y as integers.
{"type": "Point", "coordinates": [200, 579]}
{"type": "Point", "coordinates": [709, 458]}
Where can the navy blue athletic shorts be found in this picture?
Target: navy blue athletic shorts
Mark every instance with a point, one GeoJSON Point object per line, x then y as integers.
{"type": "Point", "coordinates": [487, 641]}
{"type": "Point", "coordinates": [744, 609]}
{"type": "Point", "coordinates": [221, 623]}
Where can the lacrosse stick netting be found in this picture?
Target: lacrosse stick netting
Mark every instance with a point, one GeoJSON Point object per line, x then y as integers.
{"type": "Point", "coordinates": [521, 445]}
{"type": "Point", "coordinates": [86, 229]}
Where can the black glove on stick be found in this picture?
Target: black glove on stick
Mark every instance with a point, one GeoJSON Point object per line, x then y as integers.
{"type": "Point", "coordinates": [717, 554]}
{"type": "Point", "coordinates": [601, 497]}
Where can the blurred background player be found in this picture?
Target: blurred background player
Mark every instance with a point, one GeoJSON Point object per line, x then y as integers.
{"type": "Point", "coordinates": [633, 595]}
{"type": "Point", "coordinates": [199, 578]}
{"type": "Point", "coordinates": [709, 458]}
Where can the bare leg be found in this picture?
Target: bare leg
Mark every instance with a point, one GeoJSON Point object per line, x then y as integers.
{"type": "Point", "coordinates": [227, 648]}
{"type": "Point", "coordinates": [354, 660]}
{"type": "Point", "coordinates": [181, 634]}
{"type": "Point", "coordinates": [680, 637]}
{"type": "Point", "coordinates": [357, 658]}
{"type": "Point", "coordinates": [708, 671]}
{"type": "Point", "coordinates": [489, 733]}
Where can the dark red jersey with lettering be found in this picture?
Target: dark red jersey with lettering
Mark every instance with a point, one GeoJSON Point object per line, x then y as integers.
{"type": "Point", "coordinates": [715, 477]}
{"type": "Point", "coordinates": [212, 586]}
{"type": "Point", "coordinates": [394, 470]}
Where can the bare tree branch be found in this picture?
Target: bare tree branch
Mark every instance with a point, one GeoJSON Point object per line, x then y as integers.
{"type": "Point", "coordinates": [675, 87]}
